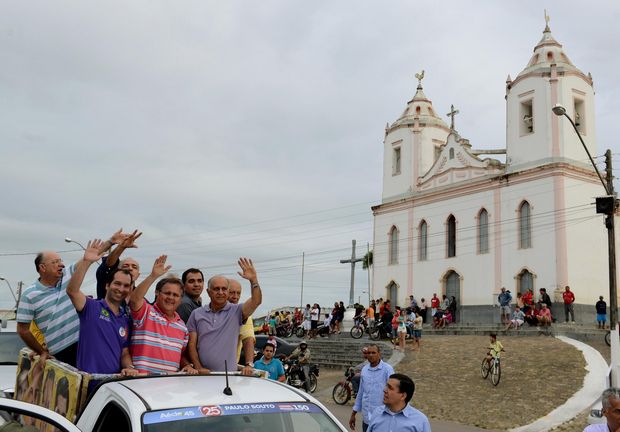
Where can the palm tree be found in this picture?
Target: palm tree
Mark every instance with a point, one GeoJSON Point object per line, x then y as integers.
{"type": "Point", "coordinates": [367, 261]}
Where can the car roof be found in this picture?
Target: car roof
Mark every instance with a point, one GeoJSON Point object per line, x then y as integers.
{"type": "Point", "coordinates": [175, 391]}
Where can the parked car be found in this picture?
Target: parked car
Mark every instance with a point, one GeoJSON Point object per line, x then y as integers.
{"type": "Point", "coordinates": [284, 348]}
{"type": "Point", "coordinates": [189, 403]}
{"type": "Point", "coordinates": [10, 344]}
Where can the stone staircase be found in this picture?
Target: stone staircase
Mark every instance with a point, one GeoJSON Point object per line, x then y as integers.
{"type": "Point", "coordinates": [580, 332]}
{"type": "Point", "coordinates": [341, 351]}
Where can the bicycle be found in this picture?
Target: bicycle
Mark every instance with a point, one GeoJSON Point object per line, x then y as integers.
{"type": "Point", "coordinates": [494, 369]}
{"type": "Point", "coordinates": [358, 330]}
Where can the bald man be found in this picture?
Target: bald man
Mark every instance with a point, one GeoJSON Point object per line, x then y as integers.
{"type": "Point", "coordinates": [112, 262]}
{"type": "Point", "coordinates": [46, 302]}
{"type": "Point", "coordinates": [246, 333]}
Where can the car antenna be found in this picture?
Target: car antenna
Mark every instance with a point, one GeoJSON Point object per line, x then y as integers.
{"type": "Point", "coordinates": [227, 390]}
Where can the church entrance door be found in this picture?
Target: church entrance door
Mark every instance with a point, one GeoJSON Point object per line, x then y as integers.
{"type": "Point", "coordinates": [453, 288]}
{"type": "Point", "coordinates": [392, 290]}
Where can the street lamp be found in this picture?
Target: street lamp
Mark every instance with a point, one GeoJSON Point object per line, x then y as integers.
{"type": "Point", "coordinates": [10, 289]}
{"type": "Point", "coordinates": [68, 240]}
{"type": "Point", "coordinates": [605, 205]}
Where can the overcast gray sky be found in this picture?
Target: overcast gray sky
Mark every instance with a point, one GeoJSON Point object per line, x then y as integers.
{"type": "Point", "coordinates": [227, 128]}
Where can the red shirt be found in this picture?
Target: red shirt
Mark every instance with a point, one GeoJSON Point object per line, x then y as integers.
{"type": "Point", "coordinates": [435, 302]}
{"type": "Point", "coordinates": [528, 298]}
{"type": "Point", "coordinates": [568, 297]}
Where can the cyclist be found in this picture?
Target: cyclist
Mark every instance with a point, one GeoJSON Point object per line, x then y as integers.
{"type": "Point", "coordinates": [495, 348]}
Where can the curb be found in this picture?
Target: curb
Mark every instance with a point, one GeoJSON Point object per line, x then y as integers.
{"type": "Point", "coordinates": [593, 385]}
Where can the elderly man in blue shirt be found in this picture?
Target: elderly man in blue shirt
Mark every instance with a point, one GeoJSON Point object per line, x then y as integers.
{"type": "Point", "coordinates": [373, 379]}
{"type": "Point", "coordinates": [396, 414]}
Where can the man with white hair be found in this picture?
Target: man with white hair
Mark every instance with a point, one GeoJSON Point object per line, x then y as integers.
{"type": "Point", "coordinates": [611, 410]}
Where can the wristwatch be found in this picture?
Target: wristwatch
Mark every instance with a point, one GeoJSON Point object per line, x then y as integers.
{"type": "Point", "coordinates": [251, 364]}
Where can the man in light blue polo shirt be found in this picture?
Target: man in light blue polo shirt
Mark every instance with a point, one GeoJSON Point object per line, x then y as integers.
{"type": "Point", "coordinates": [270, 364]}
{"type": "Point", "coordinates": [396, 414]}
{"type": "Point", "coordinates": [46, 302]}
{"type": "Point", "coordinates": [373, 379]}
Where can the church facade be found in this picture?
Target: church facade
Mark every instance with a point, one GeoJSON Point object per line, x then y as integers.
{"type": "Point", "coordinates": [457, 221]}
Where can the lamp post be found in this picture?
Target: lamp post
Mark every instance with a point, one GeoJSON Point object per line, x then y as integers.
{"type": "Point", "coordinates": [10, 289]}
{"type": "Point", "coordinates": [68, 240]}
{"type": "Point", "coordinates": [606, 205]}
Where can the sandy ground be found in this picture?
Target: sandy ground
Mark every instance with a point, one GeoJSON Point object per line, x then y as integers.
{"type": "Point", "coordinates": [538, 374]}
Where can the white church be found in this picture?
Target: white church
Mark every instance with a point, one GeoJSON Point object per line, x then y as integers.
{"type": "Point", "coordinates": [453, 220]}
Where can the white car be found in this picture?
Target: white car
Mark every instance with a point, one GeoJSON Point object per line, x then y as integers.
{"type": "Point", "coordinates": [191, 403]}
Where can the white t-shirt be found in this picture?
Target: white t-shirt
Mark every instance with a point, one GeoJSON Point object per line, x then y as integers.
{"type": "Point", "coordinates": [601, 427]}
{"type": "Point", "coordinates": [314, 315]}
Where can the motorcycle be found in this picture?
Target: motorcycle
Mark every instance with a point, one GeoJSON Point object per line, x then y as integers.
{"type": "Point", "coordinates": [293, 373]}
{"type": "Point", "coordinates": [379, 331]}
{"type": "Point", "coordinates": [284, 330]}
{"type": "Point", "coordinates": [343, 391]}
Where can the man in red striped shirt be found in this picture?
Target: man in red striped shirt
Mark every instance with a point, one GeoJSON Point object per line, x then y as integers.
{"type": "Point", "coordinates": [159, 337]}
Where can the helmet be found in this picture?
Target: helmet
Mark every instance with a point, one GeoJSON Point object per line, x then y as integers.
{"type": "Point", "coordinates": [303, 342]}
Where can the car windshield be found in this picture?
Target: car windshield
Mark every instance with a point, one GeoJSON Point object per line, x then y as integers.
{"type": "Point", "coordinates": [259, 417]}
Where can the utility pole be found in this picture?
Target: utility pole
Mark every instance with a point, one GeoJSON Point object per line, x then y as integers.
{"type": "Point", "coordinates": [611, 242]}
{"type": "Point", "coordinates": [353, 260]}
{"type": "Point", "coordinates": [303, 259]}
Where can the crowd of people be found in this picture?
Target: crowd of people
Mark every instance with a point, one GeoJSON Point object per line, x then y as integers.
{"type": "Point", "coordinates": [120, 332]}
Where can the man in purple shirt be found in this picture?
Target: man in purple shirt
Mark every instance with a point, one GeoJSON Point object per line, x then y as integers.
{"type": "Point", "coordinates": [214, 328]}
{"type": "Point", "coordinates": [104, 324]}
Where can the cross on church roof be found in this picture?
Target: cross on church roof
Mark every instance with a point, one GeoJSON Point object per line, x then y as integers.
{"type": "Point", "coordinates": [451, 114]}
{"type": "Point", "coordinates": [547, 19]}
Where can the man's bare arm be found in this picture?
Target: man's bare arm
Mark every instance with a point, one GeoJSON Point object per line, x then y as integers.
{"type": "Point", "coordinates": [192, 353]}
{"type": "Point", "coordinates": [136, 300]}
{"type": "Point", "coordinates": [249, 273]}
{"type": "Point", "coordinates": [91, 254]}
{"type": "Point", "coordinates": [23, 330]}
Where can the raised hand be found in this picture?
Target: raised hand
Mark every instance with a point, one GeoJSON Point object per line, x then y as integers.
{"type": "Point", "coordinates": [248, 271]}
{"type": "Point", "coordinates": [159, 267]}
{"type": "Point", "coordinates": [118, 237]}
{"type": "Point", "coordinates": [92, 254]}
{"type": "Point", "coordinates": [130, 240]}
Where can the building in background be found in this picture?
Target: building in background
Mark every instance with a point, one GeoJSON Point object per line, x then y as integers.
{"type": "Point", "coordinates": [457, 221]}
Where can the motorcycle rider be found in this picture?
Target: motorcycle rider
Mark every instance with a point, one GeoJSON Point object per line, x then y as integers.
{"type": "Point", "coordinates": [386, 319]}
{"type": "Point", "coordinates": [302, 354]}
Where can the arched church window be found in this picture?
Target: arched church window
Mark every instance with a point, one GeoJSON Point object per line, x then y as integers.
{"type": "Point", "coordinates": [525, 226]}
{"type": "Point", "coordinates": [451, 236]}
{"type": "Point", "coordinates": [393, 245]}
{"type": "Point", "coordinates": [423, 241]}
{"type": "Point", "coordinates": [483, 232]}
{"type": "Point", "coordinates": [451, 153]}
{"type": "Point", "coordinates": [526, 281]}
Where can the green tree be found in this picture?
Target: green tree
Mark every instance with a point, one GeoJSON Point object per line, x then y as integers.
{"type": "Point", "coordinates": [367, 261]}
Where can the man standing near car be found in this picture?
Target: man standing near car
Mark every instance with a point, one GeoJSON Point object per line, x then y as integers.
{"type": "Point", "coordinates": [270, 364]}
{"type": "Point", "coordinates": [193, 285]}
{"type": "Point", "coordinates": [373, 379]}
{"type": "Point", "coordinates": [246, 332]}
{"type": "Point", "coordinates": [396, 414]}
{"type": "Point", "coordinates": [214, 328]}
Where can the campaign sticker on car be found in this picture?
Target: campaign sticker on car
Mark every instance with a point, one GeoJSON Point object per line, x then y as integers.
{"type": "Point", "coordinates": [227, 410]}
{"type": "Point", "coordinates": [171, 415]}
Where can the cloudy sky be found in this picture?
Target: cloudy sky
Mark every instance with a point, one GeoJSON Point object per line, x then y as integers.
{"type": "Point", "coordinates": [227, 128]}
